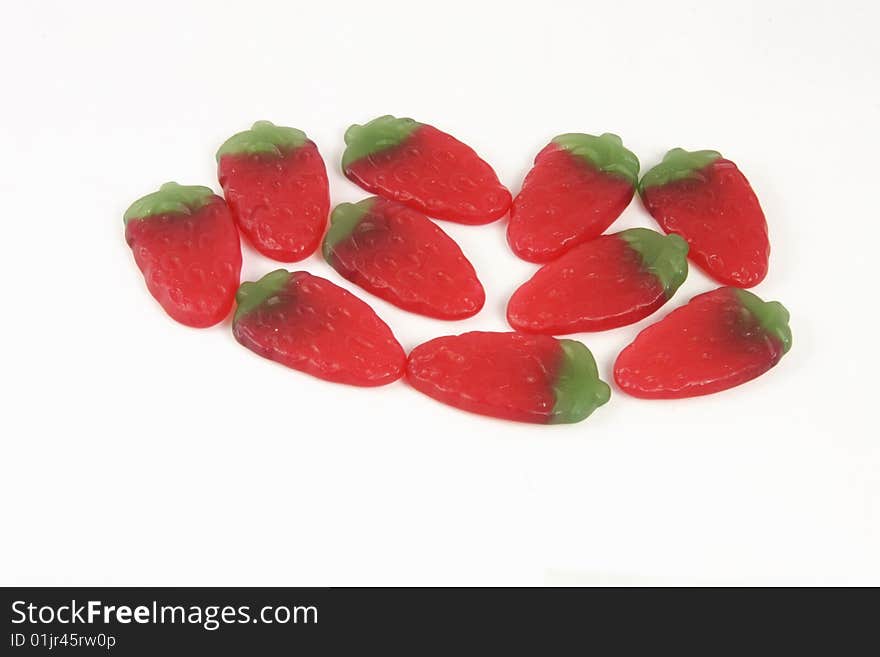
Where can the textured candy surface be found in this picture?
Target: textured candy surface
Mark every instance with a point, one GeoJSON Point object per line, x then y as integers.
{"type": "Point", "coordinates": [708, 201]}
{"type": "Point", "coordinates": [716, 341]}
{"type": "Point", "coordinates": [276, 185]}
{"type": "Point", "coordinates": [526, 378]}
{"type": "Point", "coordinates": [578, 186]}
{"type": "Point", "coordinates": [307, 323]}
{"type": "Point", "coordinates": [424, 168]}
{"type": "Point", "coordinates": [400, 255]}
{"type": "Point", "coordinates": [186, 244]}
{"type": "Point", "coordinates": [611, 281]}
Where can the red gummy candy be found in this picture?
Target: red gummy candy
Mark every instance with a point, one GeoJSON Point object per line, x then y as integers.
{"type": "Point", "coordinates": [186, 244]}
{"type": "Point", "coordinates": [276, 186]}
{"type": "Point", "coordinates": [611, 281]}
{"type": "Point", "coordinates": [716, 341]}
{"type": "Point", "coordinates": [579, 185]}
{"type": "Point", "coordinates": [424, 168]}
{"type": "Point", "coordinates": [708, 201]}
{"type": "Point", "coordinates": [513, 376]}
{"type": "Point", "coordinates": [309, 324]}
{"type": "Point", "coordinates": [400, 255]}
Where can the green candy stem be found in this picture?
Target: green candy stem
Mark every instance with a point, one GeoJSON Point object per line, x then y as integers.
{"type": "Point", "coordinates": [263, 137]}
{"type": "Point", "coordinates": [772, 316]}
{"type": "Point", "coordinates": [665, 256]}
{"type": "Point", "coordinates": [677, 164]}
{"type": "Point", "coordinates": [378, 135]}
{"type": "Point", "coordinates": [170, 199]}
{"type": "Point", "coordinates": [605, 152]}
{"type": "Point", "coordinates": [343, 220]}
{"type": "Point", "coordinates": [251, 296]}
{"type": "Point", "coordinates": [578, 389]}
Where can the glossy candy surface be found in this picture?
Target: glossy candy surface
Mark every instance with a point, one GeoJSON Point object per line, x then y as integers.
{"type": "Point", "coordinates": [578, 186]}
{"type": "Point", "coordinates": [424, 168]}
{"type": "Point", "coordinates": [611, 281]}
{"type": "Point", "coordinates": [400, 255]}
{"type": "Point", "coordinates": [708, 201]}
{"type": "Point", "coordinates": [716, 341]}
{"type": "Point", "coordinates": [186, 244]}
{"type": "Point", "coordinates": [276, 185]}
{"type": "Point", "coordinates": [526, 378]}
{"type": "Point", "coordinates": [309, 324]}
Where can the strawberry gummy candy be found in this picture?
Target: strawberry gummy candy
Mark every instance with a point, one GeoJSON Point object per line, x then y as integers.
{"type": "Point", "coordinates": [718, 340]}
{"type": "Point", "coordinates": [708, 201]}
{"type": "Point", "coordinates": [513, 376]}
{"type": "Point", "coordinates": [611, 281]}
{"type": "Point", "coordinates": [276, 186]}
{"type": "Point", "coordinates": [309, 324]}
{"type": "Point", "coordinates": [424, 168]}
{"type": "Point", "coordinates": [400, 255]}
{"type": "Point", "coordinates": [579, 185]}
{"type": "Point", "coordinates": [186, 244]}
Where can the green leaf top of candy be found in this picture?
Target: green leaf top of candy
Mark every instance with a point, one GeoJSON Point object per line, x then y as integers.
{"type": "Point", "coordinates": [263, 137]}
{"type": "Point", "coordinates": [343, 220]}
{"type": "Point", "coordinates": [772, 316]}
{"type": "Point", "coordinates": [665, 256]}
{"type": "Point", "coordinates": [251, 296]}
{"type": "Point", "coordinates": [677, 164]}
{"type": "Point", "coordinates": [170, 199]}
{"type": "Point", "coordinates": [605, 152]}
{"type": "Point", "coordinates": [379, 134]}
{"type": "Point", "coordinates": [578, 389]}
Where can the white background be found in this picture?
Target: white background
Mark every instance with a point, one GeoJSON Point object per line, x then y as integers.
{"type": "Point", "coordinates": [138, 451]}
